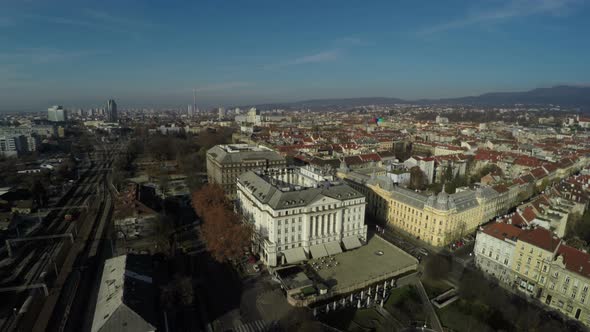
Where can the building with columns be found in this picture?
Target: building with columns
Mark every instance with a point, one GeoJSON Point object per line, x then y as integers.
{"type": "Point", "coordinates": [300, 213]}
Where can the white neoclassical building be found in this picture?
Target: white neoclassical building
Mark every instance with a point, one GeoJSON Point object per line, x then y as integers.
{"type": "Point", "coordinates": [298, 213]}
{"type": "Point", "coordinates": [494, 250]}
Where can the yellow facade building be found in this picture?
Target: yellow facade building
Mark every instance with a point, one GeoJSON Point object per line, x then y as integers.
{"type": "Point", "coordinates": [436, 219]}
{"type": "Point", "coordinates": [554, 273]}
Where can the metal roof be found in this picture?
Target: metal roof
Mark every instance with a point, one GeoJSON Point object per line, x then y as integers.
{"type": "Point", "coordinates": [285, 198]}
{"type": "Point", "coordinates": [126, 298]}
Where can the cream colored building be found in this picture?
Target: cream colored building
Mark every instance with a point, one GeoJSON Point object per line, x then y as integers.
{"type": "Point", "coordinates": [566, 282]}
{"type": "Point", "coordinates": [533, 248]}
{"type": "Point", "coordinates": [552, 272]}
{"type": "Point", "coordinates": [226, 162]}
{"type": "Point", "coordinates": [298, 213]}
{"type": "Point", "coordinates": [494, 250]}
{"type": "Point", "coordinates": [436, 219]}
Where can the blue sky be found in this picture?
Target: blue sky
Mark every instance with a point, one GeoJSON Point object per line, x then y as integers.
{"type": "Point", "coordinates": [142, 53]}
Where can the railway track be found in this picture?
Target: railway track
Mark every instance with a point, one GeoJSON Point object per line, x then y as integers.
{"type": "Point", "coordinates": [56, 225]}
{"type": "Point", "coordinates": [35, 262]}
{"type": "Point", "coordinates": [85, 265]}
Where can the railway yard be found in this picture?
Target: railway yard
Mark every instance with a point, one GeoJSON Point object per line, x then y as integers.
{"type": "Point", "coordinates": [53, 265]}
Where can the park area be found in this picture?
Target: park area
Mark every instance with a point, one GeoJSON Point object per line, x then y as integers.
{"type": "Point", "coordinates": [403, 307]}
{"type": "Point", "coordinates": [485, 306]}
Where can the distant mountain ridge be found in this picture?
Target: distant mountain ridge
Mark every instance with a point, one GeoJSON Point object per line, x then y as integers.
{"type": "Point", "coordinates": [563, 95]}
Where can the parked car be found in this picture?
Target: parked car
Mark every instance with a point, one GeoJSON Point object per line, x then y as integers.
{"type": "Point", "coordinates": [423, 251]}
{"type": "Point", "coordinates": [256, 268]}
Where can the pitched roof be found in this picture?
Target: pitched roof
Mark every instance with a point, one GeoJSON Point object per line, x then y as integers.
{"type": "Point", "coordinates": [516, 220]}
{"type": "Point", "coordinates": [500, 188]}
{"type": "Point", "coordinates": [370, 157]}
{"type": "Point", "coordinates": [126, 298]}
{"type": "Point", "coordinates": [528, 214]}
{"type": "Point", "coordinates": [539, 173]}
{"type": "Point", "coordinates": [527, 161]}
{"type": "Point", "coordinates": [502, 231]}
{"type": "Point", "coordinates": [575, 260]}
{"type": "Point", "coordinates": [266, 192]}
{"type": "Point", "coordinates": [541, 238]}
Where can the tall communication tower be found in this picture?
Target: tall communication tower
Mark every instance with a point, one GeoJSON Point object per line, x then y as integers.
{"type": "Point", "coordinates": [195, 100]}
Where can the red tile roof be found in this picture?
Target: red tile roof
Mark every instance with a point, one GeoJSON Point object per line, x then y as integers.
{"type": "Point", "coordinates": [528, 214]}
{"type": "Point", "coordinates": [500, 188]}
{"type": "Point", "coordinates": [541, 238]}
{"type": "Point", "coordinates": [353, 160]}
{"type": "Point", "coordinates": [550, 168]}
{"type": "Point", "coordinates": [539, 173]}
{"type": "Point", "coordinates": [575, 260]}
{"type": "Point", "coordinates": [370, 157]}
{"type": "Point", "coordinates": [527, 161]}
{"type": "Point", "coordinates": [501, 231]}
{"type": "Point", "coordinates": [516, 220]}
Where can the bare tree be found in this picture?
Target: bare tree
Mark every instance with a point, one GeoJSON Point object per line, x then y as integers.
{"type": "Point", "coordinates": [224, 234]}
{"type": "Point", "coordinates": [417, 178]}
{"type": "Point", "coordinates": [208, 196]}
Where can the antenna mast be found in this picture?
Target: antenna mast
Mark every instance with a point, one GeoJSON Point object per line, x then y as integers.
{"type": "Point", "coordinates": [195, 100]}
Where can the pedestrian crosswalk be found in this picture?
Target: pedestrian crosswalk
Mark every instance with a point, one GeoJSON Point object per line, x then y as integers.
{"type": "Point", "coordinates": [257, 326]}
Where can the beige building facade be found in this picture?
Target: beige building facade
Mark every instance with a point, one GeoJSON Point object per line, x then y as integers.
{"type": "Point", "coordinates": [226, 162]}
{"type": "Point", "coordinates": [437, 219]}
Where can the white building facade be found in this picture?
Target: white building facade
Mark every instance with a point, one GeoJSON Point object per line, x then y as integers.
{"type": "Point", "coordinates": [494, 250]}
{"type": "Point", "coordinates": [296, 217]}
{"type": "Point", "coordinates": [57, 114]}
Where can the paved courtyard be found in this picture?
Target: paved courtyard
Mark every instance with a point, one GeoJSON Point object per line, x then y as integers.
{"type": "Point", "coordinates": [377, 259]}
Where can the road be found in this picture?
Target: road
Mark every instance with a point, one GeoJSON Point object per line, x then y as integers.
{"type": "Point", "coordinates": [432, 316]}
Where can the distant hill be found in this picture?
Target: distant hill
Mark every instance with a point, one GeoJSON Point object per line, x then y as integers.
{"type": "Point", "coordinates": [559, 95]}
{"type": "Point", "coordinates": [563, 95]}
{"type": "Point", "coordinates": [336, 102]}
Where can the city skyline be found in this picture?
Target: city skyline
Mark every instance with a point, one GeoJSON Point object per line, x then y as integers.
{"type": "Point", "coordinates": [149, 55]}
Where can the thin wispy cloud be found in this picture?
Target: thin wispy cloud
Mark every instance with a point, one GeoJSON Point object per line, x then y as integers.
{"type": "Point", "coordinates": [117, 20]}
{"type": "Point", "coordinates": [97, 20]}
{"type": "Point", "coordinates": [508, 10]}
{"type": "Point", "coordinates": [350, 41]}
{"type": "Point", "coordinates": [336, 49]}
{"type": "Point", "coordinates": [324, 56]}
{"type": "Point", "coordinates": [92, 25]}
{"type": "Point", "coordinates": [37, 56]}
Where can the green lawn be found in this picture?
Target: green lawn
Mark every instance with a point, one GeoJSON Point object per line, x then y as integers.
{"type": "Point", "coordinates": [468, 316]}
{"type": "Point", "coordinates": [435, 287]}
{"type": "Point", "coordinates": [353, 320]}
{"type": "Point", "coordinates": [405, 305]}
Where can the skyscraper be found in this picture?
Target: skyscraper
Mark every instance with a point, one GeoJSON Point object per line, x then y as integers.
{"type": "Point", "coordinates": [111, 111]}
{"type": "Point", "coordinates": [56, 114]}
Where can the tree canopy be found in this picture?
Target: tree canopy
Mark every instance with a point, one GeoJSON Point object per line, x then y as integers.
{"type": "Point", "coordinates": [417, 178]}
{"type": "Point", "coordinates": [224, 233]}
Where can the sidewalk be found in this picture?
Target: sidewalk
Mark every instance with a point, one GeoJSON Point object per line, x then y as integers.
{"type": "Point", "coordinates": [433, 317]}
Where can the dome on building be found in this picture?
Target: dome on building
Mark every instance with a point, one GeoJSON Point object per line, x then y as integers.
{"type": "Point", "coordinates": [443, 201]}
{"type": "Point", "coordinates": [343, 167]}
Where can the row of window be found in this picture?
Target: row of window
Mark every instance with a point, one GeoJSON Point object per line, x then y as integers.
{"type": "Point", "coordinates": [319, 209]}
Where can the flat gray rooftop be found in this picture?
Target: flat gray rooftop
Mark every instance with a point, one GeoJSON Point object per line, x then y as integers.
{"type": "Point", "coordinates": [364, 266]}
